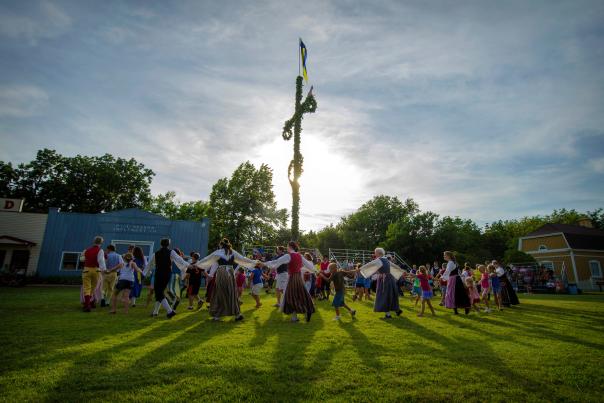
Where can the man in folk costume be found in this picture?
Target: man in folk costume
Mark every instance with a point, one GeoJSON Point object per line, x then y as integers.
{"type": "Point", "coordinates": [224, 297]}
{"type": "Point", "coordinates": [386, 296]}
{"type": "Point", "coordinates": [296, 298]}
{"type": "Point", "coordinates": [94, 263]}
{"type": "Point", "coordinates": [162, 261]}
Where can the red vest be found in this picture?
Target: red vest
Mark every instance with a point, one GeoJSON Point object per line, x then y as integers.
{"type": "Point", "coordinates": [91, 256]}
{"type": "Point", "coordinates": [295, 263]}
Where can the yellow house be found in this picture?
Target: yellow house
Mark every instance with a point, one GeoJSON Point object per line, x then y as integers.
{"type": "Point", "coordinates": [579, 249]}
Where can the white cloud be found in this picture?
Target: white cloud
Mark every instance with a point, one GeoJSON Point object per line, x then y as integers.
{"type": "Point", "coordinates": [20, 101]}
{"type": "Point", "coordinates": [47, 20]}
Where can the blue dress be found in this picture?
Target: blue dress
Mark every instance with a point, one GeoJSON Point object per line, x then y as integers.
{"type": "Point", "coordinates": [386, 296]}
{"type": "Point", "coordinates": [135, 292]}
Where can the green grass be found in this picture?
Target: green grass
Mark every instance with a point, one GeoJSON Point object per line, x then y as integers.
{"type": "Point", "coordinates": [550, 348]}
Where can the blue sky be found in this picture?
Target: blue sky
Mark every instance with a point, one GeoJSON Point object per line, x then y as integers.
{"type": "Point", "coordinates": [481, 109]}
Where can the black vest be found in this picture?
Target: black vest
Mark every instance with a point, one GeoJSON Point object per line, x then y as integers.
{"type": "Point", "coordinates": [282, 268]}
{"type": "Point", "coordinates": [163, 263]}
{"type": "Point", "coordinates": [225, 262]}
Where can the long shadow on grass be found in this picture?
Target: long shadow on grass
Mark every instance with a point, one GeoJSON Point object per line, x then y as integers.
{"type": "Point", "coordinates": [457, 352]}
{"type": "Point", "coordinates": [125, 357]}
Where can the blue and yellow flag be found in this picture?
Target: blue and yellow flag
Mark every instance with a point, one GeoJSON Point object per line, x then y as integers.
{"type": "Point", "coordinates": [303, 54]}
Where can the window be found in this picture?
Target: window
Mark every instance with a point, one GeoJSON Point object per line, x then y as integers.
{"type": "Point", "coordinates": [548, 265]}
{"type": "Point", "coordinates": [121, 246]}
{"type": "Point", "coordinates": [542, 247]}
{"type": "Point", "coordinates": [70, 261]}
{"type": "Point", "coordinates": [596, 269]}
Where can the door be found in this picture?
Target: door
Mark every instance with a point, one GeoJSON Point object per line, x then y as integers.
{"type": "Point", "coordinates": [19, 261]}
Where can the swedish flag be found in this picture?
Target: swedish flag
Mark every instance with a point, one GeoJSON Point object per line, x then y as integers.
{"type": "Point", "coordinates": [303, 54]}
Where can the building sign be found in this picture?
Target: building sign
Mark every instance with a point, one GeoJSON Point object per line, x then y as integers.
{"type": "Point", "coordinates": [135, 228]}
{"type": "Point", "coordinates": [14, 205]}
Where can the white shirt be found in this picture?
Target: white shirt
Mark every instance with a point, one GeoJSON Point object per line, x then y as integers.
{"type": "Point", "coordinates": [127, 272]}
{"type": "Point", "coordinates": [214, 257]}
{"type": "Point", "coordinates": [285, 259]}
{"type": "Point", "coordinates": [371, 268]}
{"type": "Point", "coordinates": [499, 271]}
{"type": "Point", "coordinates": [450, 267]}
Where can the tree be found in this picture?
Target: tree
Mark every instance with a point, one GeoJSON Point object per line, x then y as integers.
{"type": "Point", "coordinates": [167, 206]}
{"type": "Point", "coordinates": [597, 218]}
{"type": "Point", "coordinates": [366, 228]}
{"type": "Point", "coordinates": [294, 127]}
{"type": "Point", "coordinates": [244, 208]}
{"type": "Point", "coordinates": [79, 184]}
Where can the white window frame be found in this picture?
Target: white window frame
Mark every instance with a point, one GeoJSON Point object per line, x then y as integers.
{"type": "Point", "coordinates": [79, 264]}
{"type": "Point", "coordinates": [542, 248]}
{"type": "Point", "coordinates": [544, 263]}
{"type": "Point", "coordinates": [599, 268]}
{"type": "Point", "coordinates": [130, 242]}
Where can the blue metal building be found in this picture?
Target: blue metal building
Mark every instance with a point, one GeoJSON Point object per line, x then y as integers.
{"type": "Point", "coordinates": [68, 234]}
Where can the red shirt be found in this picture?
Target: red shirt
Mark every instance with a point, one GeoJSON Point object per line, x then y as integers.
{"type": "Point", "coordinates": [240, 280]}
{"type": "Point", "coordinates": [423, 281]}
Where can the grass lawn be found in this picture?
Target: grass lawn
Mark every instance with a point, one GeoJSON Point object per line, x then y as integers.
{"type": "Point", "coordinates": [550, 348]}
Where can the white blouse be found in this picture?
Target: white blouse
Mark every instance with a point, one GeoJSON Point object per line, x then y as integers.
{"type": "Point", "coordinates": [212, 258]}
{"type": "Point", "coordinates": [372, 267]}
{"type": "Point", "coordinates": [450, 267]}
{"type": "Point", "coordinates": [285, 259]}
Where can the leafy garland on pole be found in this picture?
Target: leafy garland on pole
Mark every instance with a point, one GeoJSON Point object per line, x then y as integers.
{"type": "Point", "coordinates": [293, 127]}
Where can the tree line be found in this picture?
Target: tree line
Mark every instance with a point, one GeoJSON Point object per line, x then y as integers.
{"type": "Point", "coordinates": [243, 208]}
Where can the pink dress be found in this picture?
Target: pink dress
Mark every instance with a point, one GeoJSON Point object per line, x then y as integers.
{"type": "Point", "coordinates": [473, 294]}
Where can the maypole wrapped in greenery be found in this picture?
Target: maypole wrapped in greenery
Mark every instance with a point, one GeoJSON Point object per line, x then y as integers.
{"type": "Point", "coordinates": [293, 127]}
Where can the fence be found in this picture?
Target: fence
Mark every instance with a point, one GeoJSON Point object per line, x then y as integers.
{"type": "Point", "coordinates": [537, 277]}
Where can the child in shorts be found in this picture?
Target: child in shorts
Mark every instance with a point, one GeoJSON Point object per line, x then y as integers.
{"type": "Point", "coordinates": [256, 277]}
{"type": "Point", "coordinates": [125, 282]}
{"type": "Point", "coordinates": [337, 278]}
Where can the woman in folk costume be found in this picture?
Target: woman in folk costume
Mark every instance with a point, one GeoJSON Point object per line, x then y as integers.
{"type": "Point", "coordinates": [386, 295]}
{"type": "Point", "coordinates": [224, 300]}
{"type": "Point", "coordinates": [508, 295]}
{"type": "Point", "coordinates": [296, 298]}
{"type": "Point", "coordinates": [456, 296]}
{"type": "Point", "coordinates": [141, 262]}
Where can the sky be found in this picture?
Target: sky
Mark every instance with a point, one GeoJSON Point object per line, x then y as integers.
{"type": "Point", "coordinates": [482, 109]}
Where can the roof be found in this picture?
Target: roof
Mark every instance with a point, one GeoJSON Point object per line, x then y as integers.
{"type": "Point", "coordinates": [11, 240]}
{"type": "Point", "coordinates": [578, 237]}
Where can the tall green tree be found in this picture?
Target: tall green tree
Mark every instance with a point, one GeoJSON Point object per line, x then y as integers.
{"type": "Point", "coordinates": [244, 207]}
{"type": "Point", "coordinates": [366, 228]}
{"type": "Point", "coordinates": [79, 184]}
{"type": "Point", "coordinates": [293, 127]}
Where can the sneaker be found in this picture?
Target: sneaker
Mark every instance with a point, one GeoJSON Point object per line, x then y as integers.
{"type": "Point", "coordinates": [336, 318]}
{"type": "Point", "coordinates": [199, 304]}
{"type": "Point", "coordinates": [353, 313]}
{"type": "Point", "coordinates": [171, 315]}
{"type": "Point", "coordinates": [388, 316]}
{"type": "Point", "coordinates": [399, 312]}
{"type": "Point", "coordinates": [216, 319]}
{"type": "Point", "coordinates": [153, 315]}
{"type": "Point", "coordinates": [276, 305]}
{"type": "Point", "coordinates": [295, 320]}
{"type": "Point", "coordinates": [190, 308]}
{"type": "Point", "coordinates": [239, 318]}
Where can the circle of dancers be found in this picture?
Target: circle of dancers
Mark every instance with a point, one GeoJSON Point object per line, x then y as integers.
{"type": "Point", "coordinates": [111, 279]}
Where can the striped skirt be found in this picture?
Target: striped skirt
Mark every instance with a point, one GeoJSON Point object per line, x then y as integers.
{"type": "Point", "coordinates": [296, 298]}
{"type": "Point", "coordinates": [224, 297]}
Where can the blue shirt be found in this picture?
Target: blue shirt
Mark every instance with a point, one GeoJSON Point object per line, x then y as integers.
{"type": "Point", "coordinates": [256, 276]}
